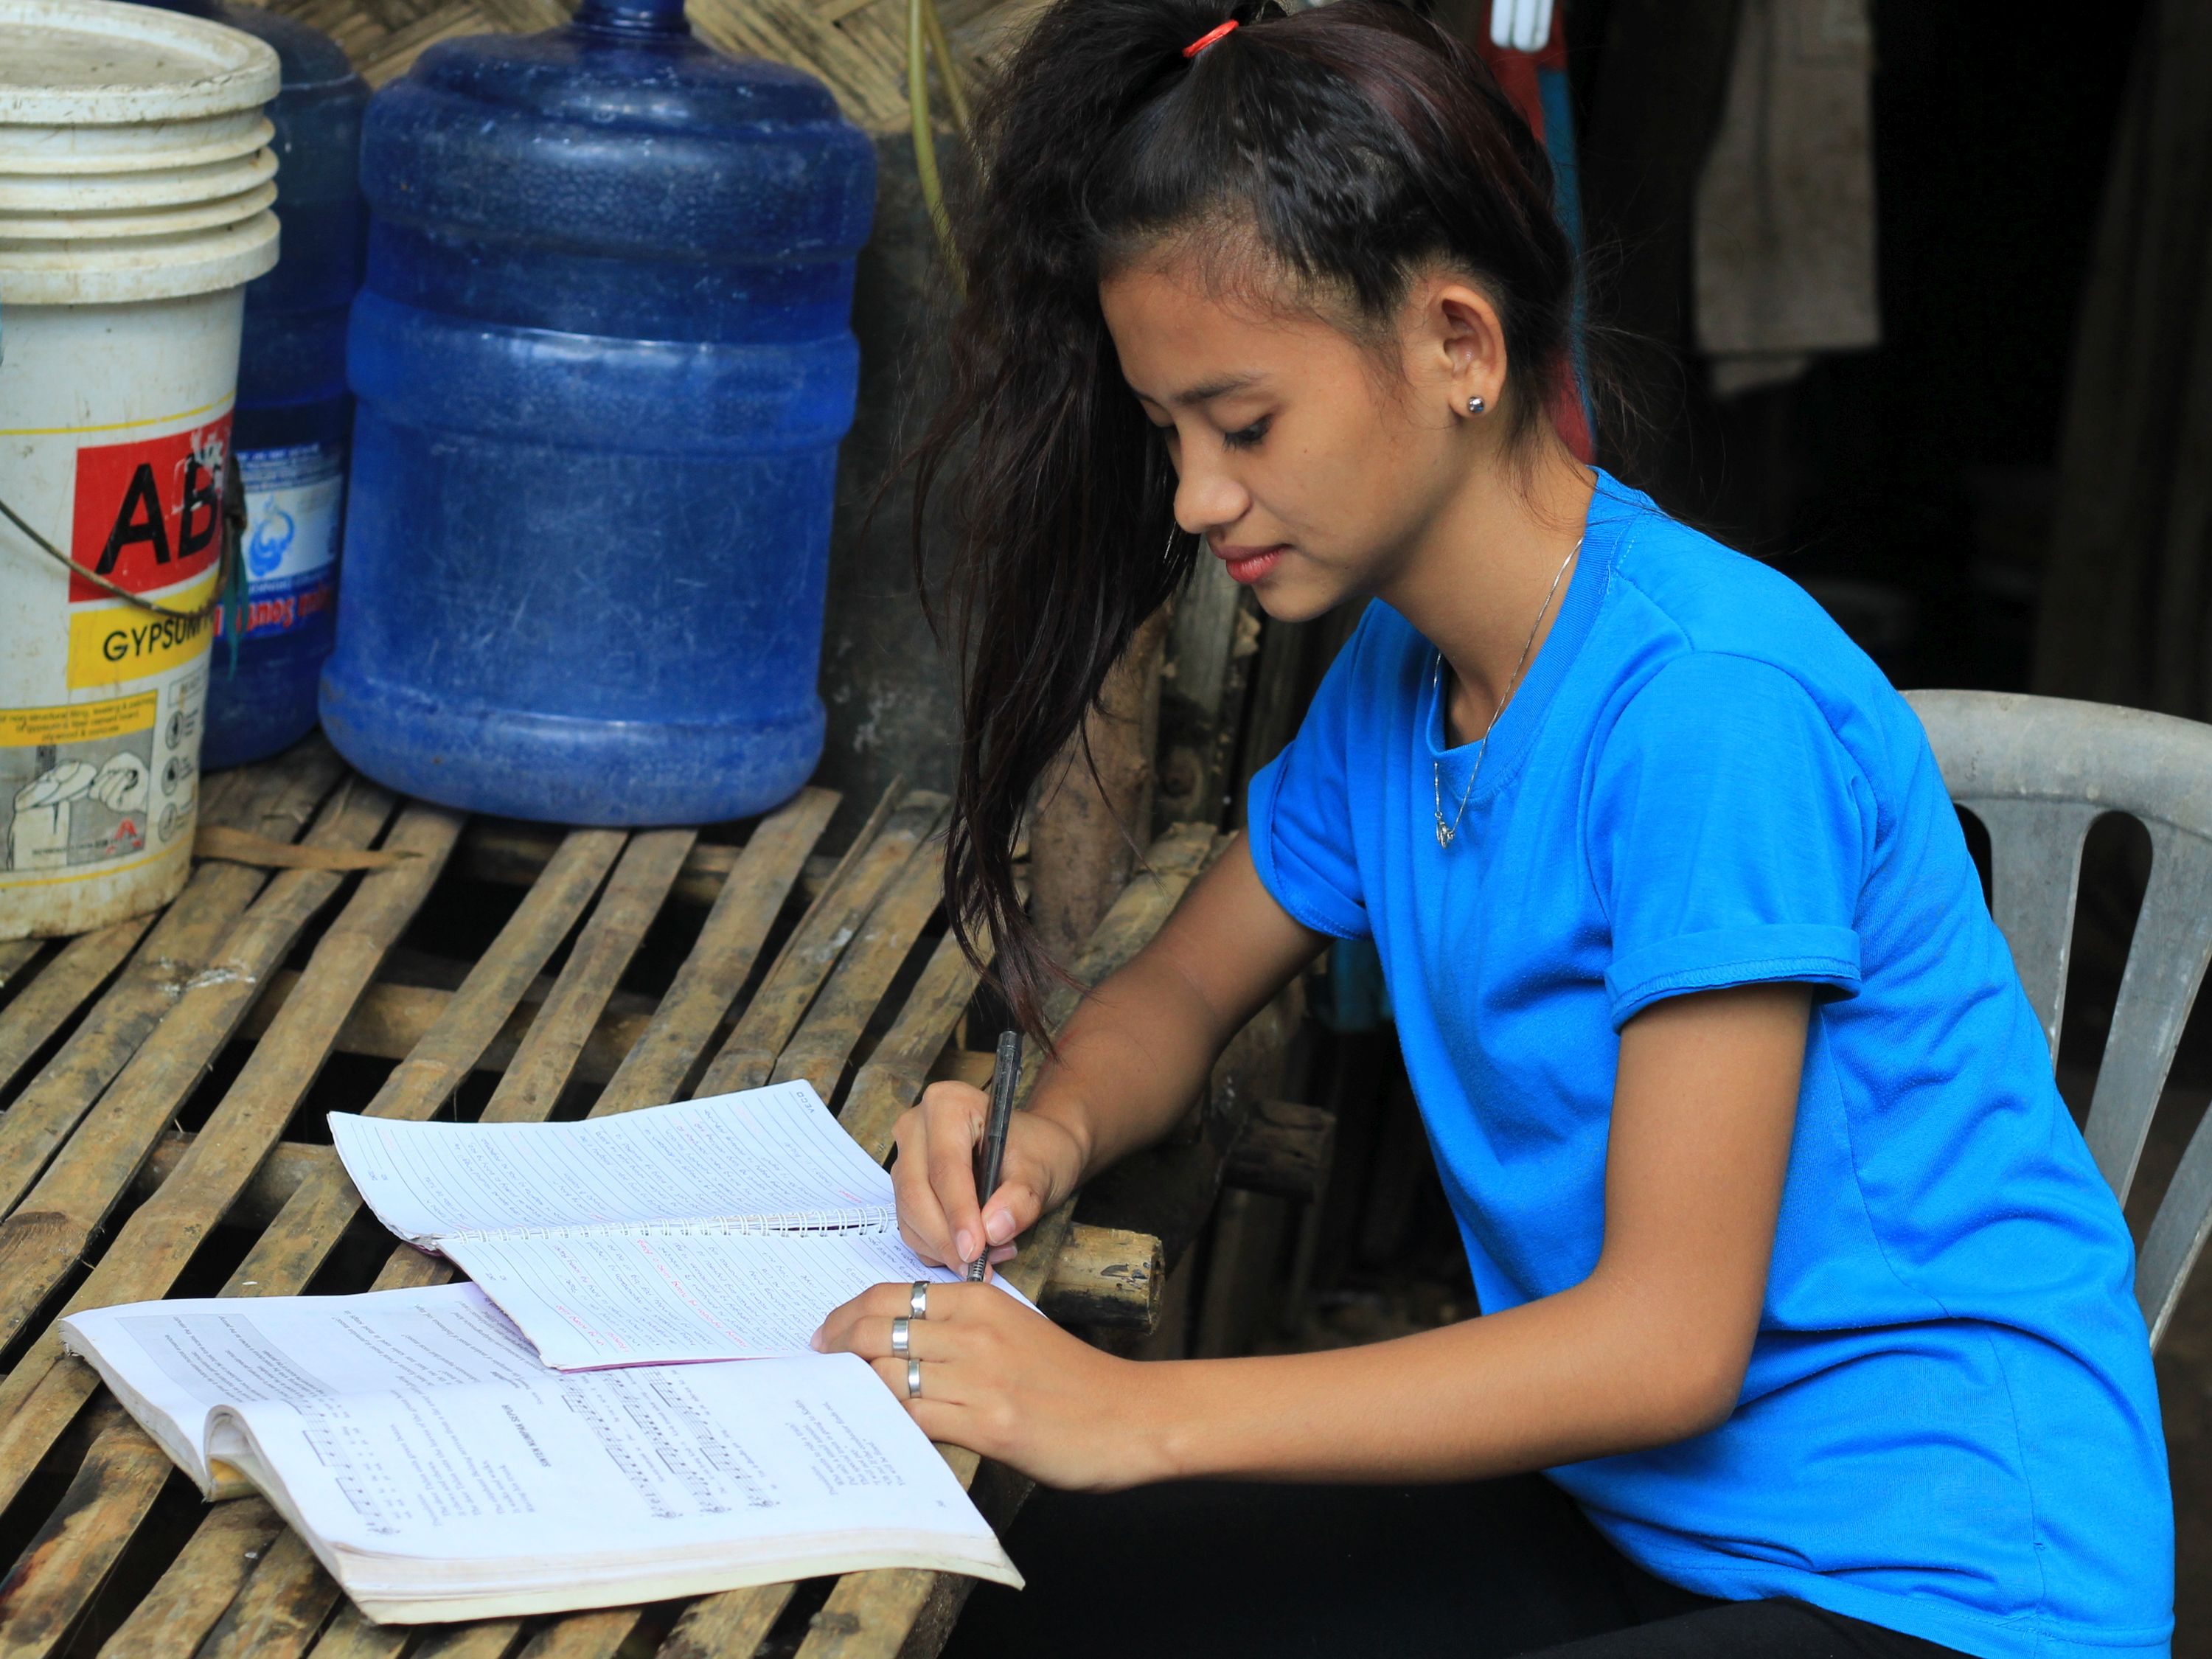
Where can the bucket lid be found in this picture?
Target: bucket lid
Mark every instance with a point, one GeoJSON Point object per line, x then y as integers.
{"type": "Point", "coordinates": [99, 61]}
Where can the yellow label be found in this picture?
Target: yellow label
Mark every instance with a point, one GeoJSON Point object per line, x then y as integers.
{"type": "Point", "coordinates": [110, 644]}
{"type": "Point", "coordinates": [77, 723]}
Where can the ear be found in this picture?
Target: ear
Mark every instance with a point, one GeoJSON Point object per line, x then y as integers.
{"type": "Point", "coordinates": [1463, 341]}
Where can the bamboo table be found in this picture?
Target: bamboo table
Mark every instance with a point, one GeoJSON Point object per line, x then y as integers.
{"type": "Point", "coordinates": [224, 1013]}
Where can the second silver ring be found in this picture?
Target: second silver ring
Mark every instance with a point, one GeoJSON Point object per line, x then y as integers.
{"type": "Point", "coordinates": [901, 1337]}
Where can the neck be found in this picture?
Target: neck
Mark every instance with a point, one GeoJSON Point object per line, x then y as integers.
{"type": "Point", "coordinates": [1477, 579]}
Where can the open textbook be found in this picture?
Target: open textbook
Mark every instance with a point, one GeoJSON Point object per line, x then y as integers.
{"type": "Point", "coordinates": [718, 1229]}
{"type": "Point", "coordinates": [440, 1472]}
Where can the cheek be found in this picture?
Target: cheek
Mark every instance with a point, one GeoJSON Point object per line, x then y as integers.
{"type": "Point", "coordinates": [1354, 483]}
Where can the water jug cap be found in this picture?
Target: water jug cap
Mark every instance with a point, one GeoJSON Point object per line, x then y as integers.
{"type": "Point", "coordinates": [633, 17]}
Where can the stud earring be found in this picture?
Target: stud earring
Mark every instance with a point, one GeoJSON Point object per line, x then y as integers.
{"type": "Point", "coordinates": [1475, 405]}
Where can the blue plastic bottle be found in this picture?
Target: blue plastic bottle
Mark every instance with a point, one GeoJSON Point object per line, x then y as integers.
{"type": "Point", "coordinates": [604, 359]}
{"type": "Point", "coordinates": [294, 413]}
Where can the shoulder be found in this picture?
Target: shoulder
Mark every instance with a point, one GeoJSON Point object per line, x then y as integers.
{"type": "Point", "coordinates": [1722, 634]}
{"type": "Point", "coordinates": [1715, 599]}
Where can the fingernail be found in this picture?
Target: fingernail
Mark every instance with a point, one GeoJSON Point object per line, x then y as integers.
{"type": "Point", "coordinates": [815, 1340]}
{"type": "Point", "coordinates": [998, 1226]}
{"type": "Point", "coordinates": [965, 1243]}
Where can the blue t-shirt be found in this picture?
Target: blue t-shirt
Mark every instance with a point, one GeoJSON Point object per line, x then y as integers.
{"type": "Point", "coordinates": [1949, 1425]}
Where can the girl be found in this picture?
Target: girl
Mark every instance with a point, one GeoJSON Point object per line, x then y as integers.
{"type": "Point", "coordinates": [1794, 1273]}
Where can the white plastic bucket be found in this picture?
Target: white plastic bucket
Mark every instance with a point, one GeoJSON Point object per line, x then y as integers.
{"type": "Point", "coordinates": [135, 192]}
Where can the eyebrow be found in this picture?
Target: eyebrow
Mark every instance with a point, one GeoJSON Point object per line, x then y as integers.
{"type": "Point", "coordinates": [1208, 391]}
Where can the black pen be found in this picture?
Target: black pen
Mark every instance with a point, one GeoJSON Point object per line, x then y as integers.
{"type": "Point", "coordinates": [1005, 1078]}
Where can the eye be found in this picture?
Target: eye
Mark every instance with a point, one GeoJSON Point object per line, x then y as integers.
{"type": "Point", "coordinates": [1248, 437]}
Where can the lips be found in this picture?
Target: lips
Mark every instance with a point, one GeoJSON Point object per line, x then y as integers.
{"type": "Point", "coordinates": [1248, 564]}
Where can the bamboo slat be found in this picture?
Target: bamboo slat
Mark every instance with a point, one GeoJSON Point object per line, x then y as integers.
{"type": "Point", "coordinates": [532, 1085]}
{"type": "Point", "coordinates": [818, 1050]}
{"type": "Point", "coordinates": [390, 1020]}
{"type": "Point", "coordinates": [184, 1605]}
{"type": "Point", "coordinates": [729, 944]}
{"type": "Point", "coordinates": [72, 1200]}
{"type": "Point", "coordinates": [352, 1636]}
{"type": "Point", "coordinates": [278, 1611]}
{"type": "Point", "coordinates": [516, 853]}
{"type": "Point", "coordinates": [751, 1054]}
{"type": "Point", "coordinates": [178, 948]}
{"type": "Point", "coordinates": [69, 1559]}
{"type": "Point", "coordinates": [42, 1007]}
{"type": "Point", "coordinates": [892, 1080]}
{"type": "Point", "coordinates": [317, 1213]}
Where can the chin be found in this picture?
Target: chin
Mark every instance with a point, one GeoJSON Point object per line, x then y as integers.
{"type": "Point", "coordinates": [1298, 602]}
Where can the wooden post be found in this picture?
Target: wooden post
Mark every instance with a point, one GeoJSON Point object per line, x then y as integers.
{"type": "Point", "coordinates": [1084, 838]}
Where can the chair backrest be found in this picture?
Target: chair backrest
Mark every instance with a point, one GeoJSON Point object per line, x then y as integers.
{"type": "Point", "coordinates": [2038, 771]}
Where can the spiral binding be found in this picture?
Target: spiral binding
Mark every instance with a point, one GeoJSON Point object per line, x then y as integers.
{"type": "Point", "coordinates": [869, 1218]}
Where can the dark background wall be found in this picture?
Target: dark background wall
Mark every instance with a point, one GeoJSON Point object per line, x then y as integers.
{"type": "Point", "coordinates": [1911, 485]}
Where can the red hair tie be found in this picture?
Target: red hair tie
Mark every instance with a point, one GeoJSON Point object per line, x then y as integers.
{"type": "Point", "coordinates": [1209, 38]}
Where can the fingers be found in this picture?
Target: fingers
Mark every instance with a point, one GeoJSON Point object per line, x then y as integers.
{"type": "Point", "coordinates": [954, 1116]}
{"type": "Point", "coordinates": [936, 1119]}
{"type": "Point", "coordinates": [935, 1340]}
{"type": "Point", "coordinates": [863, 1326]}
{"type": "Point", "coordinates": [1013, 1209]}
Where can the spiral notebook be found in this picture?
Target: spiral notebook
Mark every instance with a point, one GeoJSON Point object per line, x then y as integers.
{"type": "Point", "coordinates": [716, 1228]}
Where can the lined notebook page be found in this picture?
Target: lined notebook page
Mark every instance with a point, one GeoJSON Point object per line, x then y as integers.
{"type": "Point", "coordinates": [762, 1152]}
{"type": "Point", "coordinates": [589, 1300]}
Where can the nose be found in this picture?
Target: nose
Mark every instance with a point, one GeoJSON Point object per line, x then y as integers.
{"type": "Point", "coordinates": [1207, 496]}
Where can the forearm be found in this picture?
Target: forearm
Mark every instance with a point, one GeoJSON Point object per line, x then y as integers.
{"type": "Point", "coordinates": [1131, 1061]}
{"type": "Point", "coordinates": [1142, 1044]}
{"type": "Point", "coordinates": [1574, 1376]}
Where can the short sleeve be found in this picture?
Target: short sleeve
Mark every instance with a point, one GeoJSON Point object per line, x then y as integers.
{"type": "Point", "coordinates": [1298, 807]}
{"type": "Point", "coordinates": [1729, 834]}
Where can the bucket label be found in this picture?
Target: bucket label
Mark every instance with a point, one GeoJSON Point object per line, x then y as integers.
{"type": "Point", "coordinates": [77, 782]}
{"type": "Point", "coordinates": [295, 516]}
{"type": "Point", "coordinates": [147, 516]}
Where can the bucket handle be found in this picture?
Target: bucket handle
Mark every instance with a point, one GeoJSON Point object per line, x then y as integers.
{"type": "Point", "coordinates": [234, 497]}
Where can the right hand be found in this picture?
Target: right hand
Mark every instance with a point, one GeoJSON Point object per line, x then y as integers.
{"type": "Point", "coordinates": [939, 1214]}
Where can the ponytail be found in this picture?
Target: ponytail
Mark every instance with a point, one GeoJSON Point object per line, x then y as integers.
{"type": "Point", "coordinates": [1358, 144]}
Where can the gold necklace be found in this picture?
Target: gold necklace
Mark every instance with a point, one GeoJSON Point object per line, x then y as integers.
{"type": "Point", "coordinates": [1448, 833]}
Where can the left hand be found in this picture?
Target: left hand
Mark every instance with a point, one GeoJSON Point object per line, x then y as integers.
{"type": "Point", "coordinates": [1006, 1382]}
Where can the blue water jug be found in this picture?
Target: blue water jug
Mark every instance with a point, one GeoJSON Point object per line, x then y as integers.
{"type": "Point", "coordinates": [294, 415]}
{"type": "Point", "coordinates": [604, 359]}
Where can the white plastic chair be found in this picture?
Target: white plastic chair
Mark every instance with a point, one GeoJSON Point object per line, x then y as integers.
{"type": "Point", "coordinates": [2038, 771]}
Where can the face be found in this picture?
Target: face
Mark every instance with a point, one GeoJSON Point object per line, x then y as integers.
{"type": "Point", "coordinates": [1310, 468]}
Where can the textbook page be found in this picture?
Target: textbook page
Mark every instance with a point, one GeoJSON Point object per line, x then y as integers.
{"type": "Point", "coordinates": [625, 1485]}
{"type": "Point", "coordinates": [772, 1154]}
{"type": "Point", "coordinates": [173, 1361]}
{"type": "Point", "coordinates": [656, 1297]}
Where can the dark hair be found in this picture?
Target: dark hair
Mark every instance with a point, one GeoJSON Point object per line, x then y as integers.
{"type": "Point", "coordinates": [1353, 147]}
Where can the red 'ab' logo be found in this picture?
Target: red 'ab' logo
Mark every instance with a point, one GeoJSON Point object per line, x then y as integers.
{"type": "Point", "coordinates": [149, 513]}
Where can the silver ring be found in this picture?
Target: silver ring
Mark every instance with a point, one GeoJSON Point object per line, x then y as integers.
{"type": "Point", "coordinates": [902, 1336]}
{"type": "Point", "coordinates": [917, 1299]}
{"type": "Point", "coordinates": [914, 1379]}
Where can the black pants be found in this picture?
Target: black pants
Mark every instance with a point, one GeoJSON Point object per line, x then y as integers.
{"type": "Point", "coordinates": [1210, 1570]}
